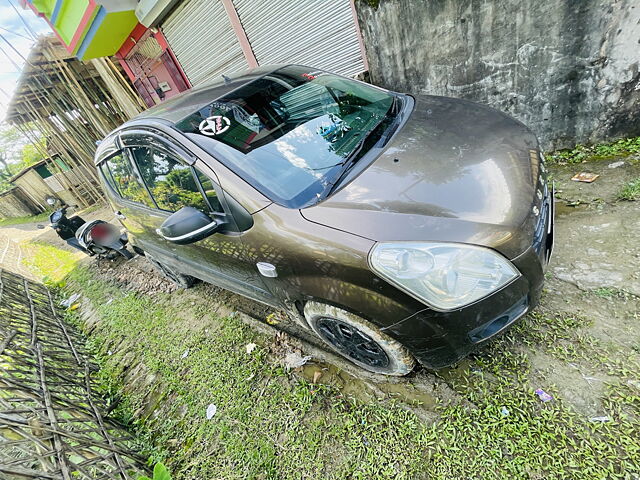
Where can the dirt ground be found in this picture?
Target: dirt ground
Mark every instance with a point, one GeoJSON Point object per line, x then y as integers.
{"type": "Point", "coordinates": [593, 282]}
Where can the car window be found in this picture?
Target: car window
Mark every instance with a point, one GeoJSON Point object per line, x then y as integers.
{"type": "Point", "coordinates": [108, 178]}
{"type": "Point", "coordinates": [170, 181]}
{"type": "Point", "coordinates": [210, 190]}
{"type": "Point", "coordinates": [127, 181]}
{"type": "Point", "coordinates": [291, 132]}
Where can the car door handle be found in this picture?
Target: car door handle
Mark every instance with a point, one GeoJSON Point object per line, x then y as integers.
{"type": "Point", "coordinates": [267, 269]}
{"type": "Point", "coordinates": [119, 215]}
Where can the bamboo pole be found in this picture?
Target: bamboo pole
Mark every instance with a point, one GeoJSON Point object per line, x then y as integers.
{"type": "Point", "coordinates": [105, 98]}
{"type": "Point", "coordinates": [83, 97]}
{"type": "Point", "coordinates": [67, 105]}
{"type": "Point", "coordinates": [142, 106]}
{"type": "Point", "coordinates": [124, 98]}
{"type": "Point", "coordinates": [46, 126]}
{"type": "Point", "coordinates": [69, 186]}
{"type": "Point", "coordinates": [78, 105]}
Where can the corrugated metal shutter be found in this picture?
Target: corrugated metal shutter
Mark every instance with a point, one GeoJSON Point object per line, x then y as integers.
{"type": "Point", "coordinates": [317, 33]}
{"type": "Point", "coordinates": [201, 37]}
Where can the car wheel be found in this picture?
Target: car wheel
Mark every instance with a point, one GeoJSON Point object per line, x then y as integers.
{"type": "Point", "coordinates": [179, 279]}
{"type": "Point", "coordinates": [358, 340]}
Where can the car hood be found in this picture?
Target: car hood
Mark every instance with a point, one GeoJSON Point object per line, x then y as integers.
{"type": "Point", "coordinates": [456, 171]}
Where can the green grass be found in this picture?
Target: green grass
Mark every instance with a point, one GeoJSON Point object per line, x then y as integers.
{"type": "Point", "coordinates": [269, 425]}
{"type": "Point", "coordinates": [612, 292]}
{"type": "Point", "coordinates": [631, 191]}
{"type": "Point", "coordinates": [41, 217]}
{"type": "Point", "coordinates": [51, 264]}
{"type": "Point", "coordinates": [602, 151]}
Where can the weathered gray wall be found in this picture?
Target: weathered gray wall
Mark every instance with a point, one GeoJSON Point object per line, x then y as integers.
{"type": "Point", "coordinates": [12, 205]}
{"type": "Point", "coordinates": [567, 68]}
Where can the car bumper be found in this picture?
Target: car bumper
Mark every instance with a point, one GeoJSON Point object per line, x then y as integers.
{"type": "Point", "coordinates": [439, 339]}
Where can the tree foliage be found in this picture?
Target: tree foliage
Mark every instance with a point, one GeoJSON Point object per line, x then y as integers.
{"type": "Point", "coordinates": [16, 153]}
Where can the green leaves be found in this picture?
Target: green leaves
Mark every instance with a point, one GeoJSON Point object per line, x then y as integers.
{"type": "Point", "coordinates": [620, 148]}
{"type": "Point", "coordinates": [160, 472]}
{"type": "Point", "coordinates": [631, 191]}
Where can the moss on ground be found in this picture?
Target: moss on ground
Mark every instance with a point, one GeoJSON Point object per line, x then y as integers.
{"type": "Point", "coordinates": [269, 425]}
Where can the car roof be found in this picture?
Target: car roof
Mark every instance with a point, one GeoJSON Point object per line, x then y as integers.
{"type": "Point", "coordinates": [185, 103]}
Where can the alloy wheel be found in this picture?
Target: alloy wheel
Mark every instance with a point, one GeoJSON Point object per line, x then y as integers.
{"type": "Point", "coordinates": [353, 343]}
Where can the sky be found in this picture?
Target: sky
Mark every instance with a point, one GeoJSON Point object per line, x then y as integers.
{"type": "Point", "coordinates": [15, 32]}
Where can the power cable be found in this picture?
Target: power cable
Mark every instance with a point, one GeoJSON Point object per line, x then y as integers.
{"type": "Point", "coordinates": [26, 24]}
{"type": "Point", "coordinates": [10, 58]}
{"type": "Point", "coordinates": [16, 33]}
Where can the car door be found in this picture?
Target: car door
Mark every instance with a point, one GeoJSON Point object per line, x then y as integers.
{"type": "Point", "coordinates": [129, 197]}
{"type": "Point", "coordinates": [174, 180]}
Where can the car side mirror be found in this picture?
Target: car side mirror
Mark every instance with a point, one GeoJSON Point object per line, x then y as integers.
{"type": "Point", "coordinates": [189, 225]}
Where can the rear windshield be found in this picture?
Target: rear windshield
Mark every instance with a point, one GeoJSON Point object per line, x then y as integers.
{"type": "Point", "coordinates": [290, 132]}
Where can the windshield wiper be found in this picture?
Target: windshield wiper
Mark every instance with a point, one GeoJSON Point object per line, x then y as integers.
{"type": "Point", "coordinates": [348, 162]}
{"type": "Point", "coordinates": [354, 156]}
{"type": "Point", "coordinates": [395, 109]}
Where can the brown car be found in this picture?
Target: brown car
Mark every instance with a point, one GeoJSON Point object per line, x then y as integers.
{"type": "Point", "coordinates": [396, 227]}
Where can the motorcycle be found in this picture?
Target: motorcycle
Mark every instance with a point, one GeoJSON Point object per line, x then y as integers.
{"type": "Point", "coordinates": [93, 238]}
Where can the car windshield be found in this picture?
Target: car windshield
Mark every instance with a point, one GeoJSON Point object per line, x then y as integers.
{"type": "Point", "coordinates": [290, 132]}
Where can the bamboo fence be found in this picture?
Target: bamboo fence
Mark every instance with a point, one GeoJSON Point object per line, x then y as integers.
{"type": "Point", "coordinates": [52, 421]}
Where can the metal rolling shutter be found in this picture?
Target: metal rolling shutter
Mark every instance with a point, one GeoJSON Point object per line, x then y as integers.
{"type": "Point", "coordinates": [201, 37]}
{"type": "Point", "coordinates": [318, 33]}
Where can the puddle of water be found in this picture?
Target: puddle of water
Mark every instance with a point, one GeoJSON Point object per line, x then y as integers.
{"type": "Point", "coordinates": [410, 394]}
{"type": "Point", "coordinates": [401, 390]}
{"type": "Point", "coordinates": [563, 208]}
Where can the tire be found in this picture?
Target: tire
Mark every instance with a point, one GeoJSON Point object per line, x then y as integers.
{"type": "Point", "coordinates": [179, 279]}
{"type": "Point", "coordinates": [358, 340]}
{"type": "Point", "coordinates": [126, 253]}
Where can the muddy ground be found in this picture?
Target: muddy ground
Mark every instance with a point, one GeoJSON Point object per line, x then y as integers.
{"type": "Point", "coordinates": [593, 281]}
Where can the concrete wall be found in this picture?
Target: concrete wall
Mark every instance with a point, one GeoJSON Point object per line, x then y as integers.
{"type": "Point", "coordinates": [567, 68]}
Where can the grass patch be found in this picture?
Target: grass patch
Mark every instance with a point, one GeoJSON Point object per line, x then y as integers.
{"type": "Point", "coordinates": [170, 359]}
{"type": "Point", "coordinates": [631, 191]}
{"type": "Point", "coordinates": [602, 151]}
{"type": "Point", "coordinates": [612, 292]}
{"type": "Point", "coordinates": [50, 264]}
{"type": "Point", "coordinates": [41, 217]}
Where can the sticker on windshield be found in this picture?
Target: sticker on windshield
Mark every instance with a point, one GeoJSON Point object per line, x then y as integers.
{"type": "Point", "coordinates": [214, 125]}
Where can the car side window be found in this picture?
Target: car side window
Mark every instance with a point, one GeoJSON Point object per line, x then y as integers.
{"type": "Point", "coordinates": [209, 190]}
{"type": "Point", "coordinates": [171, 182]}
{"type": "Point", "coordinates": [106, 174]}
{"type": "Point", "coordinates": [126, 180]}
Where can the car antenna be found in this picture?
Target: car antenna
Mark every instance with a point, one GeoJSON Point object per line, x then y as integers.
{"type": "Point", "coordinates": [226, 79]}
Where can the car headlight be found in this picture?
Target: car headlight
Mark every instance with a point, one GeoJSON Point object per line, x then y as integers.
{"type": "Point", "coordinates": [446, 276]}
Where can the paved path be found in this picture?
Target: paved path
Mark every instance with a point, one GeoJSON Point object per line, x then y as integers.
{"type": "Point", "coordinates": [13, 238]}
{"type": "Point", "coordinates": [12, 250]}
